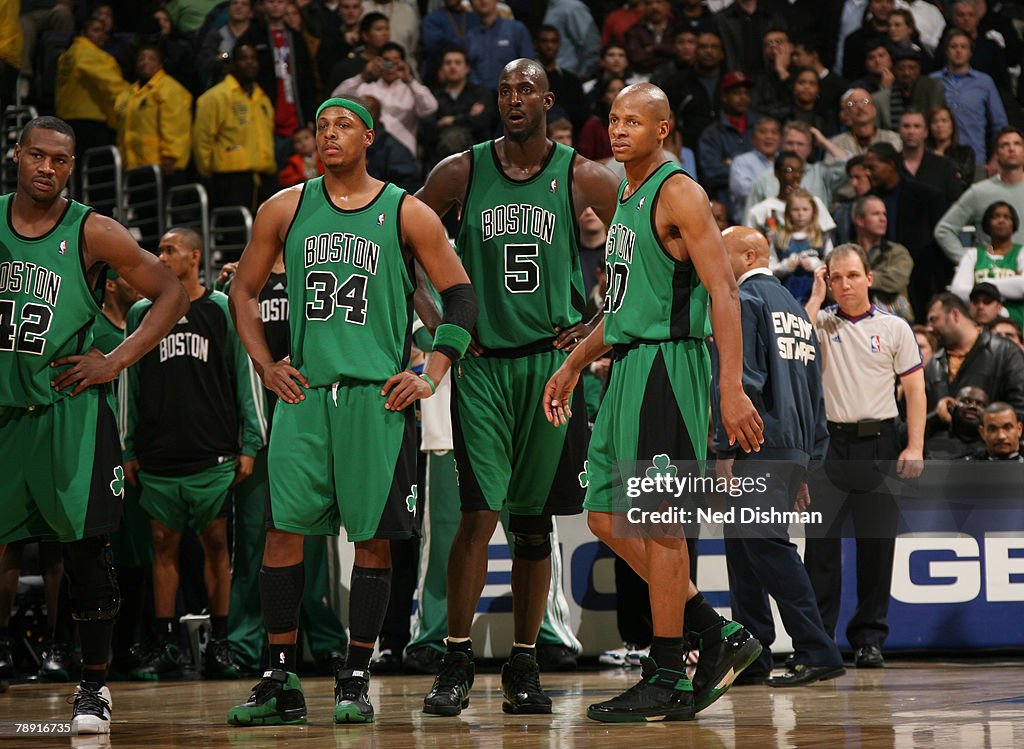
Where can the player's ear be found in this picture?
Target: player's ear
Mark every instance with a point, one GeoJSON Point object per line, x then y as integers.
{"type": "Point", "coordinates": [370, 136]}
{"type": "Point", "coordinates": [549, 100]}
{"type": "Point", "coordinates": [17, 153]}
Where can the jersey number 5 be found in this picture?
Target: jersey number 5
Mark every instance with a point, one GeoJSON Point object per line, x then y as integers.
{"type": "Point", "coordinates": [326, 295]}
{"type": "Point", "coordinates": [522, 274]}
{"type": "Point", "coordinates": [28, 337]}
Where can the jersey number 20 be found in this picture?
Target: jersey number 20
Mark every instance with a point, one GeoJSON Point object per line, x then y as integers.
{"type": "Point", "coordinates": [327, 294]}
{"type": "Point", "coordinates": [28, 336]}
{"type": "Point", "coordinates": [618, 281]}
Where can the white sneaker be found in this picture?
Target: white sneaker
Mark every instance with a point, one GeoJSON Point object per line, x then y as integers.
{"type": "Point", "coordinates": [92, 710]}
{"type": "Point", "coordinates": [615, 657]}
{"type": "Point", "coordinates": [635, 654]}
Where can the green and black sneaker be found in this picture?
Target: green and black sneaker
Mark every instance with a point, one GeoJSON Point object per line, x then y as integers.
{"type": "Point", "coordinates": [277, 700]}
{"type": "Point", "coordinates": [725, 651]}
{"type": "Point", "coordinates": [218, 662]}
{"type": "Point", "coordinates": [520, 685]}
{"type": "Point", "coordinates": [450, 693]}
{"type": "Point", "coordinates": [161, 661]}
{"type": "Point", "coordinates": [661, 694]}
{"type": "Point", "coordinates": [352, 696]}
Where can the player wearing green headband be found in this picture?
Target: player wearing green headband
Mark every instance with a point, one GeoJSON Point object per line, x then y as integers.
{"type": "Point", "coordinates": [342, 447]}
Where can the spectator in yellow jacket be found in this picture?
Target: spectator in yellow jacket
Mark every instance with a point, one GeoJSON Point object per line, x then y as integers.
{"type": "Point", "coordinates": [88, 83]}
{"type": "Point", "coordinates": [11, 43]}
{"type": "Point", "coordinates": [154, 117]}
{"type": "Point", "coordinates": [233, 136]}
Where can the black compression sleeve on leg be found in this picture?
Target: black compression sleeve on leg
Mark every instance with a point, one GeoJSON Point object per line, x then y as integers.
{"type": "Point", "coordinates": [95, 599]}
{"type": "Point", "coordinates": [280, 597]}
{"type": "Point", "coordinates": [368, 602]}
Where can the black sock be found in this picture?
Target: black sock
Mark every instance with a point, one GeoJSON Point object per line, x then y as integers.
{"type": "Point", "coordinates": [517, 649]}
{"type": "Point", "coordinates": [283, 656]}
{"type": "Point", "coordinates": [700, 615]}
{"type": "Point", "coordinates": [358, 657]}
{"type": "Point", "coordinates": [466, 646]}
{"type": "Point", "coordinates": [667, 652]}
{"type": "Point", "coordinates": [219, 627]}
{"type": "Point", "coordinates": [97, 676]}
{"type": "Point", "coordinates": [165, 629]}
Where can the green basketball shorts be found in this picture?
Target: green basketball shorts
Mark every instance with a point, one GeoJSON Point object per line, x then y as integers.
{"type": "Point", "coordinates": [339, 457]}
{"type": "Point", "coordinates": [193, 500]}
{"type": "Point", "coordinates": [506, 451]}
{"type": "Point", "coordinates": [657, 404]}
{"type": "Point", "coordinates": [61, 468]}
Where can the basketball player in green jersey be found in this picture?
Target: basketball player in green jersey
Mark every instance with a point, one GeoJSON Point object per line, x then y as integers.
{"type": "Point", "coordinates": [58, 436]}
{"type": "Point", "coordinates": [342, 446]}
{"type": "Point", "coordinates": [666, 263]}
{"type": "Point", "coordinates": [519, 198]}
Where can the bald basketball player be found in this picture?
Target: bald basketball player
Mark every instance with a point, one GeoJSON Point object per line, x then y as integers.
{"type": "Point", "coordinates": [783, 373]}
{"type": "Point", "coordinates": [666, 262]}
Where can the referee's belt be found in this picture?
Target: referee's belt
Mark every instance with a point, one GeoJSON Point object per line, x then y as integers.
{"type": "Point", "coordinates": [861, 429]}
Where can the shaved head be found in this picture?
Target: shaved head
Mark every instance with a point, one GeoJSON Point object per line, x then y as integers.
{"type": "Point", "coordinates": [189, 236]}
{"type": "Point", "coordinates": [747, 249]}
{"type": "Point", "coordinates": [529, 69]}
{"type": "Point", "coordinates": [648, 97]}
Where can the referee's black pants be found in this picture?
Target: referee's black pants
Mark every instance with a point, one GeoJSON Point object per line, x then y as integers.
{"type": "Point", "coordinates": [851, 484]}
{"type": "Point", "coordinates": [762, 561]}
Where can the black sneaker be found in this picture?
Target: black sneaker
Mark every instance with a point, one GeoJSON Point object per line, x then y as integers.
{"type": "Point", "coordinates": [424, 660]}
{"type": "Point", "coordinates": [450, 693]}
{"type": "Point", "coordinates": [6, 660]}
{"type": "Point", "coordinates": [91, 713]}
{"type": "Point", "coordinates": [329, 663]}
{"type": "Point", "coordinates": [725, 650]}
{"type": "Point", "coordinates": [388, 662]}
{"type": "Point", "coordinates": [276, 700]}
{"type": "Point", "coordinates": [219, 663]}
{"type": "Point", "coordinates": [520, 683]}
{"type": "Point", "coordinates": [161, 661]}
{"type": "Point", "coordinates": [351, 696]}
{"type": "Point", "coordinates": [56, 663]}
{"type": "Point", "coordinates": [661, 694]}
{"type": "Point", "coordinates": [552, 657]}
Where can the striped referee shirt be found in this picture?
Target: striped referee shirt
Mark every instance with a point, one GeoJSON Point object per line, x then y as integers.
{"type": "Point", "coordinates": [863, 356]}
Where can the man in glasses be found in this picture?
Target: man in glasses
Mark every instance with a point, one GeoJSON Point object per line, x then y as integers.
{"type": "Point", "coordinates": [767, 215]}
{"type": "Point", "coordinates": [857, 111]}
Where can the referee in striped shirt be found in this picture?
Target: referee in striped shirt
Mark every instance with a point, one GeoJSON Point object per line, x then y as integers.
{"type": "Point", "coordinates": [865, 351]}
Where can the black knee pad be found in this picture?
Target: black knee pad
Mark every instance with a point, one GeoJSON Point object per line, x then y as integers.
{"type": "Point", "coordinates": [92, 581]}
{"type": "Point", "coordinates": [281, 596]}
{"type": "Point", "coordinates": [530, 546]}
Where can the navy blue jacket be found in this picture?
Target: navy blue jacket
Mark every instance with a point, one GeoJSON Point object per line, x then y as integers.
{"type": "Point", "coordinates": [781, 375]}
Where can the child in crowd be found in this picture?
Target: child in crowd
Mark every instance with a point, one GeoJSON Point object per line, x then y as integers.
{"type": "Point", "coordinates": [798, 245]}
{"type": "Point", "coordinates": [304, 163]}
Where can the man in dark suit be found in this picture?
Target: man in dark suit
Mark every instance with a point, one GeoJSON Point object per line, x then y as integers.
{"type": "Point", "coordinates": [695, 100]}
{"type": "Point", "coordinates": [924, 165]}
{"type": "Point", "coordinates": [914, 208]}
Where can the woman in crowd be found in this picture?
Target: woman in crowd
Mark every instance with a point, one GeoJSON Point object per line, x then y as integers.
{"type": "Point", "coordinates": [1000, 262]}
{"type": "Point", "coordinates": [942, 139]}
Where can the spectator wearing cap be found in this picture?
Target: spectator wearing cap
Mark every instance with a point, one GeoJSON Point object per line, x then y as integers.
{"type": "Point", "coordinates": [985, 304]}
{"type": "Point", "coordinates": [891, 263]}
{"type": "Point", "coordinates": [650, 42]}
{"type": "Point", "coordinates": [865, 352]}
{"type": "Point", "coordinates": [992, 274]}
{"type": "Point", "coordinates": [747, 166]}
{"type": "Point", "coordinates": [954, 433]}
{"type": "Point", "coordinates": [1000, 430]}
{"type": "Point", "coordinates": [909, 90]}
{"type": "Point", "coordinates": [913, 209]}
{"type": "Point", "coordinates": [858, 113]}
{"type": "Point", "coordinates": [1007, 185]}
{"type": "Point", "coordinates": [920, 163]}
{"type": "Point", "coordinates": [970, 355]}
{"type": "Point", "coordinates": [743, 25]}
{"type": "Point", "coordinates": [971, 95]}
{"type": "Point", "coordinates": [721, 142]}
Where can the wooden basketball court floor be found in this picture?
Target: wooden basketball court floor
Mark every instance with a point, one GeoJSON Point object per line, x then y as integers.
{"type": "Point", "coordinates": [909, 704]}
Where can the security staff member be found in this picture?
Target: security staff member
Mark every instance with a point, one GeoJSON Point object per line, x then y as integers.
{"type": "Point", "coordinates": [864, 350]}
{"type": "Point", "coordinates": [782, 376]}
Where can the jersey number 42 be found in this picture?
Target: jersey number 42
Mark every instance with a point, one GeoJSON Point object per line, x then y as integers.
{"type": "Point", "coordinates": [27, 336]}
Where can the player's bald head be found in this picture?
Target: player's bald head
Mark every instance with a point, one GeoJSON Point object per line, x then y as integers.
{"type": "Point", "coordinates": [529, 69]}
{"type": "Point", "coordinates": [647, 98]}
{"type": "Point", "coordinates": [747, 249]}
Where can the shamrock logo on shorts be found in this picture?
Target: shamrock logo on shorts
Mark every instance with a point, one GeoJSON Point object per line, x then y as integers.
{"type": "Point", "coordinates": [410, 501]}
{"type": "Point", "coordinates": [584, 478]}
{"type": "Point", "coordinates": [117, 485]}
{"type": "Point", "coordinates": [662, 467]}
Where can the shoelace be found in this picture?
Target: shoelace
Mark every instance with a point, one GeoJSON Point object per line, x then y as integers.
{"type": "Point", "coordinates": [530, 679]}
{"type": "Point", "coordinates": [89, 702]}
{"type": "Point", "coordinates": [451, 676]}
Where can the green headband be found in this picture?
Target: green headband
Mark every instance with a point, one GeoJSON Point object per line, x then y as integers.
{"type": "Point", "coordinates": [357, 109]}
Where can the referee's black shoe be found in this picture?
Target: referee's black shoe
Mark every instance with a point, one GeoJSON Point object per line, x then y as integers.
{"type": "Point", "coordinates": [800, 675]}
{"type": "Point", "coordinates": [450, 693]}
{"type": "Point", "coordinates": [661, 694]}
{"type": "Point", "coordinates": [520, 683]}
{"type": "Point", "coordinates": [725, 651]}
{"type": "Point", "coordinates": [869, 656]}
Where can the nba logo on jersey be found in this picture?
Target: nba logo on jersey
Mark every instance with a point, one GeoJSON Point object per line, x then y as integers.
{"type": "Point", "coordinates": [63, 247]}
{"type": "Point", "coordinates": [380, 220]}
{"type": "Point", "coordinates": [876, 344]}
{"type": "Point", "coordinates": [554, 185]}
